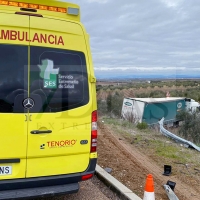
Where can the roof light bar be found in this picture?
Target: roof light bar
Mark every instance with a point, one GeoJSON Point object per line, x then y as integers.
{"type": "Point", "coordinates": [70, 11]}
{"type": "Point", "coordinates": [41, 7]}
{"type": "Point", "coordinates": [12, 3]}
{"type": "Point", "coordinates": [51, 8]}
{"type": "Point", "coordinates": [33, 6]}
{"type": "Point", "coordinates": [4, 2]}
{"type": "Point", "coordinates": [23, 5]}
{"type": "Point", "coordinates": [63, 10]}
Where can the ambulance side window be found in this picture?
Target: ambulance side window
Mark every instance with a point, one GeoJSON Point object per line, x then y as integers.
{"type": "Point", "coordinates": [13, 76]}
{"type": "Point", "coordinates": [59, 78]}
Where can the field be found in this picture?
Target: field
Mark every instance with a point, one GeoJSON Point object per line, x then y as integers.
{"type": "Point", "coordinates": [186, 88]}
{"type": "Point", "coordinates": [134, 153]}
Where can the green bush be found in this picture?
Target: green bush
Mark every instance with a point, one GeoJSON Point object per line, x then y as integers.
{"type": "Point", "coordinates": [114, 104]}
{"type": "Point", "coordinates": [190, 127]}
{"type": "Point", "coordinates": [102, 107]}
{"type": "Point", "coordinates": [109, 102]}
{"type": "Point", "coordinates": [142, 125]}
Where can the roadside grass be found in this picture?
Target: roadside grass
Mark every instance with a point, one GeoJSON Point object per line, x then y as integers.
{"type": "Point", "coordinates": [161, 150]}
{"type": "Point", "coordinates": [169, 150]}
{"type": "Point", "coordinates": [119, 122]}
{"type": "Point", "coordinates": [154, 144]}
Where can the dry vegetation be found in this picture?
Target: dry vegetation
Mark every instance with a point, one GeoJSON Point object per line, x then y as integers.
{"type": "Point", "coordinates": [152, 146]}
{"type": "Point", "coordinates": [149, 142]}
{"type": "Point", "coordinates": [186, 88]}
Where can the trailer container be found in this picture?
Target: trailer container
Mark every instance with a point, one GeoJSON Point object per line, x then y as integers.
{"type": "Point", "coordinates": [151, 110]}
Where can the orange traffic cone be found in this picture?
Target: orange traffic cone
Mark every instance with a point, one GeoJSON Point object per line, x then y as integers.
{"type": "Point", "coordinates": [149, 188]}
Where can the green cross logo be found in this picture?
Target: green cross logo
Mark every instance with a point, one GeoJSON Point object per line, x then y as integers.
{"type": "Point", "coordinates": [48, 74]}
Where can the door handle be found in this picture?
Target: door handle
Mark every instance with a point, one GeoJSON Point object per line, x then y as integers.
{"type": "Point", "coordinates": [40, 132]}
{"type": "Point", "coordinates": [26, 118]}
{"type": "Point", "coordinates": [30, 118]}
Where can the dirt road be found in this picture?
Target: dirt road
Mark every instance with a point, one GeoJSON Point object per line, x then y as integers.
{"type": "Point", "coordinates": [131, 167]}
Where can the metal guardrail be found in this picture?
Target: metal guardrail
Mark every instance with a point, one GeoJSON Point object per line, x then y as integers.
{"type": "Point", "coordinates": [175, 137]}
{"type": "Point", "coordinates": [171, 195]}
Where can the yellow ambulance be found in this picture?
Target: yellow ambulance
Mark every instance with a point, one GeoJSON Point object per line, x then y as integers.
{"type": "Point", "coordinates": [48, 109]}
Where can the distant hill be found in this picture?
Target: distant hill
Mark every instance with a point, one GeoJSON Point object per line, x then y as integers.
{"type": "Point", "coordinates": [126, 77]}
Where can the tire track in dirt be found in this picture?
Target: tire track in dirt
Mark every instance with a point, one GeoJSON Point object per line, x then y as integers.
{"type": "Point", "coordinates": [131, 167]}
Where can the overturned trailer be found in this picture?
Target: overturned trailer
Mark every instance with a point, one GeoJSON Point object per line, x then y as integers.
{"type": "Point", "coordinates": [151, 110]}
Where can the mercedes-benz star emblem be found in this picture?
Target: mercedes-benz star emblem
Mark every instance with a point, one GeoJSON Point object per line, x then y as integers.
{"type": "Point", "coordinates": [28, 103]}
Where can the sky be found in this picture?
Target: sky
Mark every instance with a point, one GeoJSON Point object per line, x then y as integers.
{"type": "Point", "coordinates": [143, 37]}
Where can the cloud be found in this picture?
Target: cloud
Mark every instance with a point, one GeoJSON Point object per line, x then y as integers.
{"type": "Point", "coordinates": [172, 3]}
{"type": "Point", "coordinates": [97, 1]}
{"type": "Point", "coordinates": [143, 34]}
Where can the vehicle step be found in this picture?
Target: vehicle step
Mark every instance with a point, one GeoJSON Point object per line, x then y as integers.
{"type": "Point", "coordinates": [39, 192]}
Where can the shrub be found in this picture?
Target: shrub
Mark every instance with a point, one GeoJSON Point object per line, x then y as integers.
{"type": "Point", "coordinates": [130, 117]}
{"type": "Point", "coordinates": [102, 107]}
{"type": "Point", "coordinates": [142, 125]}
{"type": "Point", "coordinates": [109, 102]}
{"type": "Point", "coordinates": [190, 128]}
{"type": "Point", "coordinates": [114, 104]}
